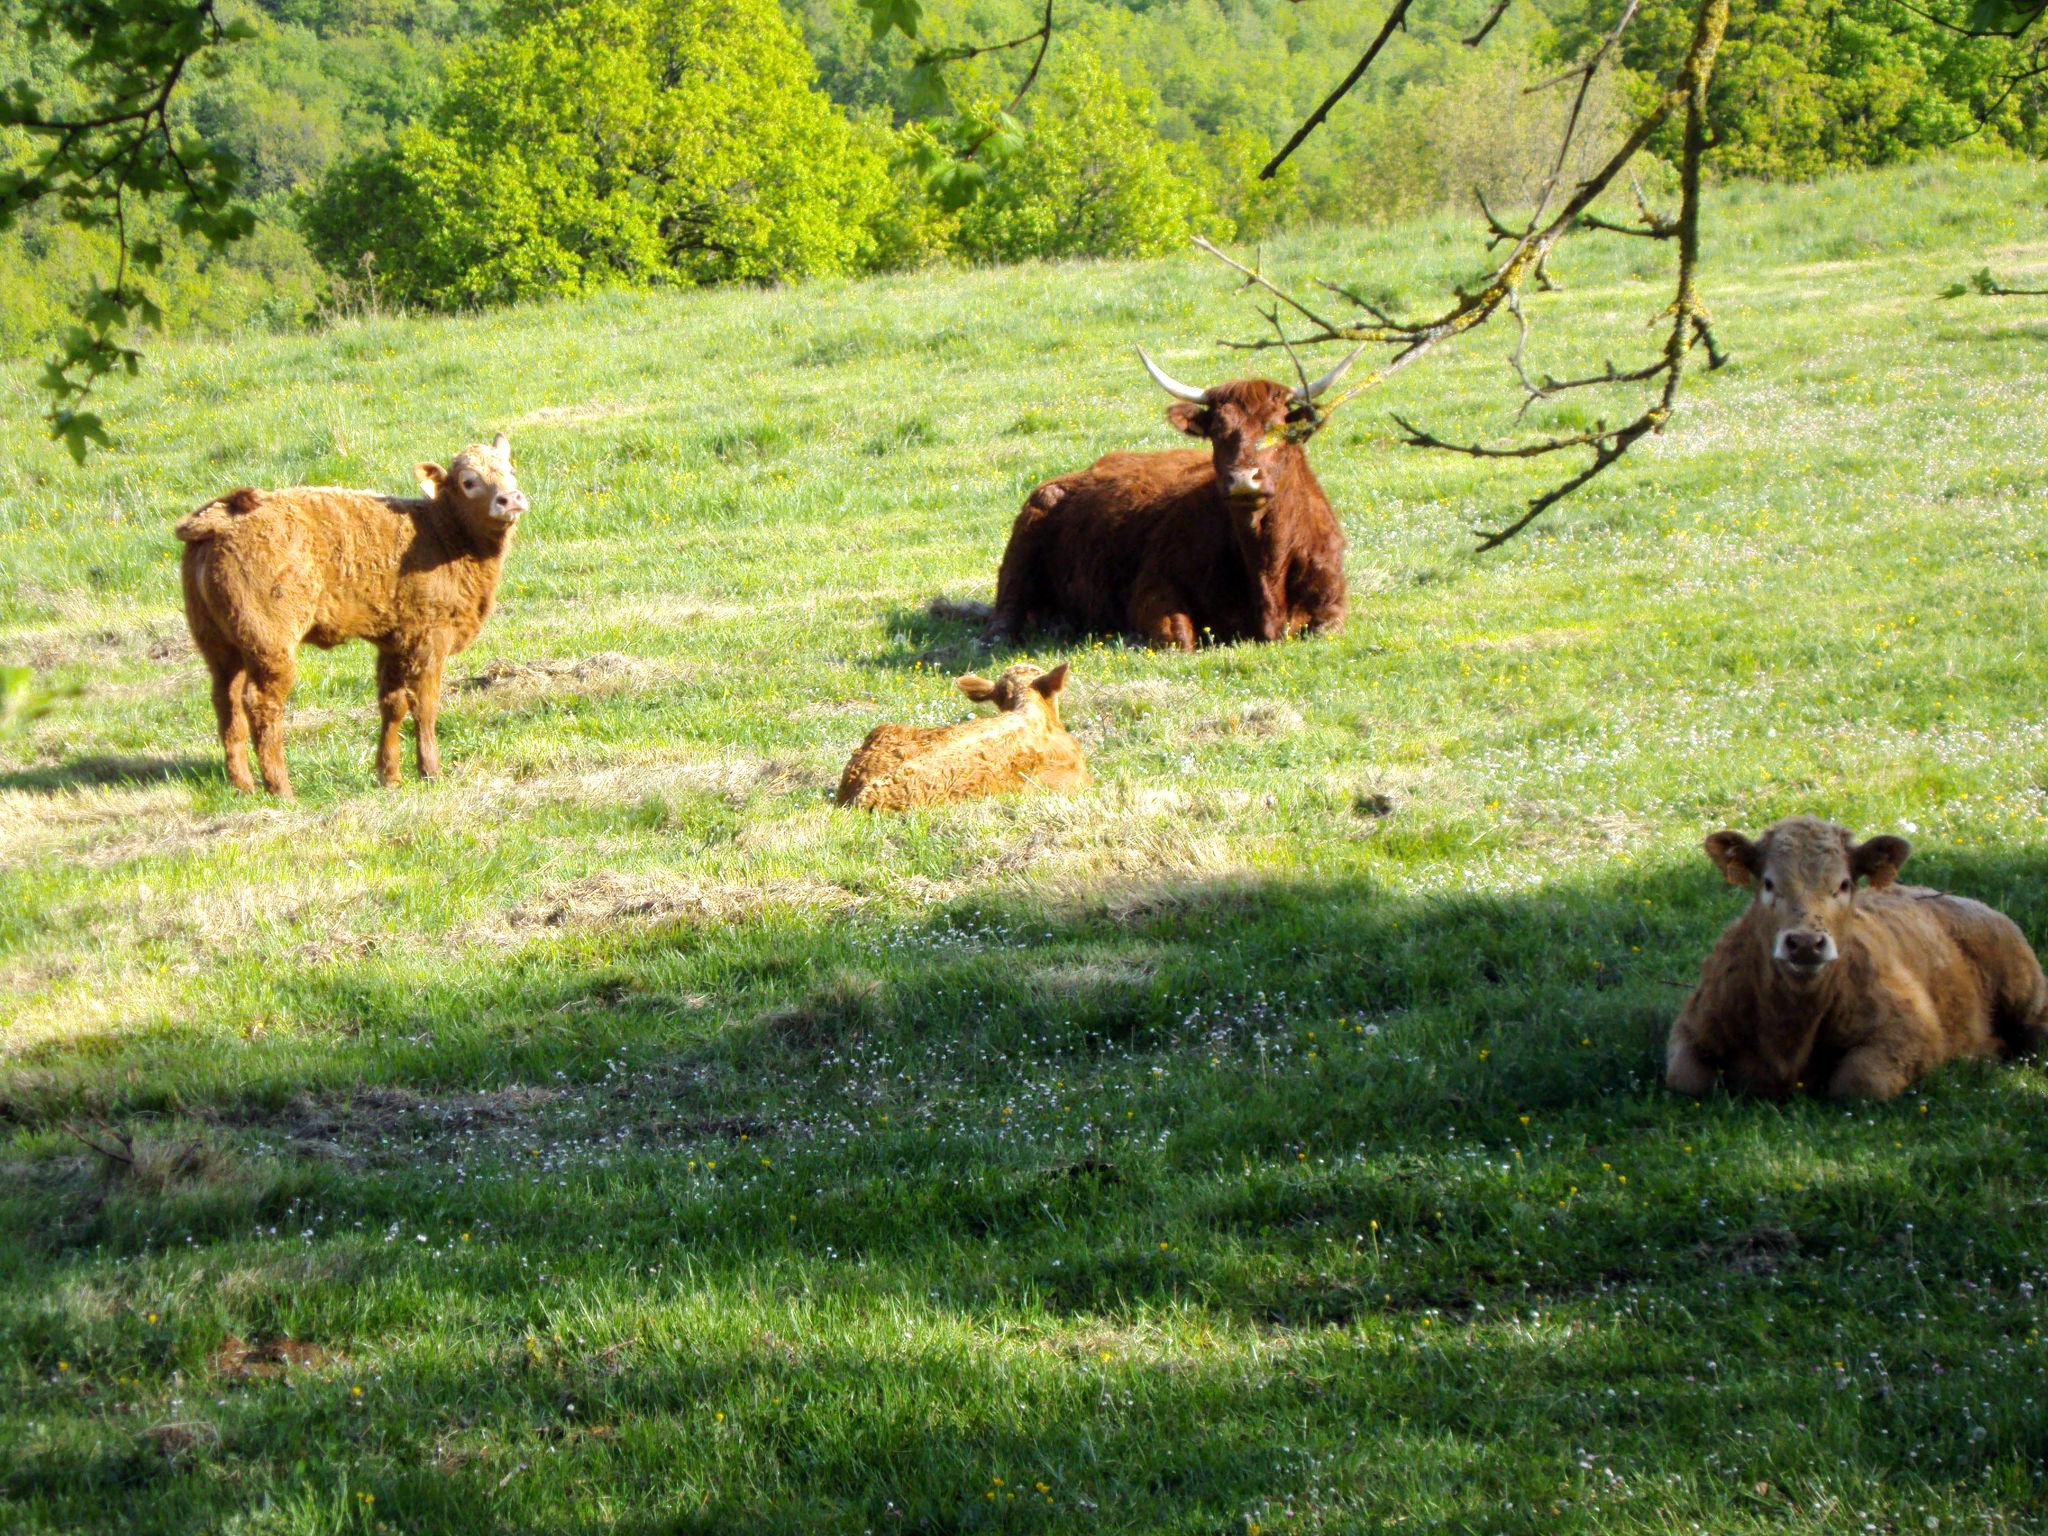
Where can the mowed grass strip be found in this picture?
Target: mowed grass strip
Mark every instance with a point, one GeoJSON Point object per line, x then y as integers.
{"type": "Point", "coordinates": [614, 1136]}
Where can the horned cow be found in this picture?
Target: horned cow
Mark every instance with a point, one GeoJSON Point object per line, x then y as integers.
{"type": "Point", "coordinates": [1023, 745]}
{"type": "Point", "coordinates": [1235, 543]}
{"type": "Point", "coordinates": [1826, 987]}
{"type": "Point", "coordinates": [416, 577]}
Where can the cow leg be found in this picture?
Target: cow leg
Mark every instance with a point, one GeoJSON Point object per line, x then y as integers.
{"type": "Point", "coordinates": [1160, 617]}
{"type": "Point", "coordinates": [1015, 579]}
{"type": "Point", "coordinates": [270, 680]}
{"type": "Point", "coordinates": [232, 715]}
{"type": "Point", "coordinates": [423, 682]}
{"type": "Point", "coordinates": [393, 700]}
{"type": "Point", "coordinates": [230, 677]}
{"type": "Point", "coordinates": [1685, 1071]}
{"type": "Point", "coordinates": [1868, 1072]}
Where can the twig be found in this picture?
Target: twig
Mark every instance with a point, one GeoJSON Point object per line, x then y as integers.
{"type": "Point", "coordinates": [1397, 18]}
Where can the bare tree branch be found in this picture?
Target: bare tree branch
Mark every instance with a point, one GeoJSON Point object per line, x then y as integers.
{"type": "Point", "coordinates": [1530, 245]}
{"type": "Point", "coordinates": [1397, 18]}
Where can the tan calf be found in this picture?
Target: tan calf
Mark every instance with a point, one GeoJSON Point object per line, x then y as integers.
{"type": "Point", "coordinates": [416, 577]}
{"type": "Point", "coordinates": [1826, 987]}
{"type": "Point", "coordinates": [1022, 746]}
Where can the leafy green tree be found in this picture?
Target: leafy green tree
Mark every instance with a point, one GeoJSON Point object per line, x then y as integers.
{"type": "Point", "coordinates": [1094, 178]}
{"type": "Point", "coordinates": [612, 142]}
{"type": "Point", "coordinates": [105, 144]}
{"type": "Point", "coordinates": [1805, 86]}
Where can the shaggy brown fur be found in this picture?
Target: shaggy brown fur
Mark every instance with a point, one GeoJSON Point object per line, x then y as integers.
{"type": "Point", "coordinates": [1022, 746]}
{"type": "Point", "coordinates": [1237, 543]}
{"type": "Point", "coordinates": [1824, 988]}
{"type": "Point", "coordinates": [264, 570]}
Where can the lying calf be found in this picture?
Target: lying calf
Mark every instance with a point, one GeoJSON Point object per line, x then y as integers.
{"type": "Point", "coordinates": [1022, 746]}
{"type": "Point", "coordinates": [1827, 988]}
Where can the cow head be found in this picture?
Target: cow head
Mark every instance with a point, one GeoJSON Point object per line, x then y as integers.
{"type": "Point", "coordinates": [480, 485]}
{"type": "Point", "coordinates": [1019, 687]}
{"type": "Point", "coordinates": [1804, 872]}
{"type": "Point", "coordinates": [1252, 424]}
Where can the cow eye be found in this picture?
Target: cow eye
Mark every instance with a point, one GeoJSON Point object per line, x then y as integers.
{"type": "Point", "coordinates": [1768, 887]}
{"type": "Point", "coordinates": [1843, 888]}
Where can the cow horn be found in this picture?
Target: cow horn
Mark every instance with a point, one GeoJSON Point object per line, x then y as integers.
{"type": "Point", "coordinates": [1311, 391]}
{"type": "Point", "coordinates": [1170, 384]}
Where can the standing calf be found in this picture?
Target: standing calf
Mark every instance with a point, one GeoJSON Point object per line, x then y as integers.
{"type": "Point", "coordinates": [1022, 746]}
{"type": "Point", "coordinates": [1826, 988]}
{"type": "Point", "coordinates": [264, 570]}
{"type": "Point", "coordinates": [1235, 543]}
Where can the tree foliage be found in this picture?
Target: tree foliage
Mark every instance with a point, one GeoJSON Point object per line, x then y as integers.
{"type": "Point", "coordinates": [612, 142]}
{"type": "Point", "coordinates": [103, 145]}
{"type": "Point", "coordinates": [1805, 86]}
{"type": "Point", "coordinates": [1095, 180]}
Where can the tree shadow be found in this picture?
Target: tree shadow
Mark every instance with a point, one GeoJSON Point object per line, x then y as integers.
{"type": "Point", "coordinates": [103, 770]}
{"type": "Point", "coordinates": [826, 1224]}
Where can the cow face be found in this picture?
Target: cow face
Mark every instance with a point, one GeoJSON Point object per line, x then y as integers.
{"type": "Point", "coordinates": [1244, 423]}
{"type": "Point", "coordinates": [1804, 872]}
{"type": "Point", "coordinates": [480, 483]}
{"type": "Point", "coordinates": [1018, 686]}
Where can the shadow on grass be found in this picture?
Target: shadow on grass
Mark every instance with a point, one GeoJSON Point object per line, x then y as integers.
{"type": "Point", "coordinates": [1193, 1201]}
{"type": "Point", "coordinates": [99, 771]}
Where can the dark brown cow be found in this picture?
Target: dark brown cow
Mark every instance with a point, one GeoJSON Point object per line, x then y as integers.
{"type": "Point", "coordinates": [1823, 987]}
{"type": "Point", "coordinates": [1237, 543]}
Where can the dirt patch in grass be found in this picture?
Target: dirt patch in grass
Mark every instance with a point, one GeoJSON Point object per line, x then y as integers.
{"type": "Point", "coordinates": [383, 1121]}
{"type": "Point", "coordinates": [577, 415]}
{"type": "Point", "coordinates": [267, 1359]}
{"type": "Point", "coordinates": [734, 776]}
{"type": "Point", "coordinates": [1250, 719]}
{"type": "Point", "coordinates": [609, 899]}
{"type": "Point", "coordinates": [958, 610]}
{"type": "Point", "coordinates": [1763, 1251]}
{"type": "Point", "coordinates": [604, 673]}
{"type": "Point", "coordinates": [1531, 640]}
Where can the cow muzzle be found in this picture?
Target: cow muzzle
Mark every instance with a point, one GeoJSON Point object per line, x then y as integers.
{"type": "Point", "coordinates": [1249, 483]}
{"type": "Point", "coordinates": [507, 506]}
{"type": "Point", "coordinates": [1803, 953]}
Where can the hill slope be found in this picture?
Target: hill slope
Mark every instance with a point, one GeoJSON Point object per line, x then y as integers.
{"type": "Point", "coordinates": [615, 1136]}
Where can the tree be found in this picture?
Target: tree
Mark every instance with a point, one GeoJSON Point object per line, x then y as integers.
{"type": "Point", "coordinates": [612, 142]}
{"type": "Point", "coordinates": [1097, 181]}
{"type": "Point", "coordinates": [104, 143]}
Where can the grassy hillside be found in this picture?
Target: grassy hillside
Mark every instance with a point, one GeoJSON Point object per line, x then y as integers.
{"type": "Point", "coordinates": [615, 1137]}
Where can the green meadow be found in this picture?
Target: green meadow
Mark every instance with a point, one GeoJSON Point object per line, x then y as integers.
{"type": "Point", "coordinates": [614, 1136]}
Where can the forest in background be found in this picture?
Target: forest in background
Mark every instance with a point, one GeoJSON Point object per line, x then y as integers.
{"type": "Point", "coordinates": [460, 153]}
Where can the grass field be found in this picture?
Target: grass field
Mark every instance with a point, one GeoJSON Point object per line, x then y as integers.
{"type": "Point", "coordinates": [614, 1136]}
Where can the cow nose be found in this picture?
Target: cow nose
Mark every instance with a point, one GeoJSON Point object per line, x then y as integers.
{"type": "Point", "coordinates": [1246, 479]}
{"type": "Point", "coordinates": [1802, 946]}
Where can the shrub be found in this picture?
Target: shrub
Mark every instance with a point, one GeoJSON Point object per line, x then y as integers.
{"type": "Point", "coordinates": [612, 142]}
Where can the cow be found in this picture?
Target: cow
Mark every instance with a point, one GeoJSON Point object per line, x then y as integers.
{"type": "Point", "coordinates": [1826, 987]}
{"type": "Point", "coordinates": [416, 577]}
{"type": "Point", "coordinates": [1233, 543]}
{"type": "Point", "coordinates": [1022, 746]}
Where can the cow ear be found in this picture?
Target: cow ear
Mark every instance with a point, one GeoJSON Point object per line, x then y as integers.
{"type": "Point", "coordinates": [430, 477]}
{"type": "Point", "coordinates": [1738, 859]}
{"type": "Point", "coordinates": [979, 689]}
{"type": "Point", "coordinates": [1878, 859]}
{"type": "Point", "coordinates": [1050, 683]}
{"type": "Point", "coordinates": [503, 444]}
{"type": "Point", "coordinates": [1188, 417]}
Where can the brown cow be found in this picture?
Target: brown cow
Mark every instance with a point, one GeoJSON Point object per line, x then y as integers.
{"type": "Point", "coordinates": [1236, 543]}
{"type": "Point", "coordinates": [1022, 746]}
{"type": "Point", "coordinates": [264, 570]}
{"type": "Point", "coordinates": [1824, 988]}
